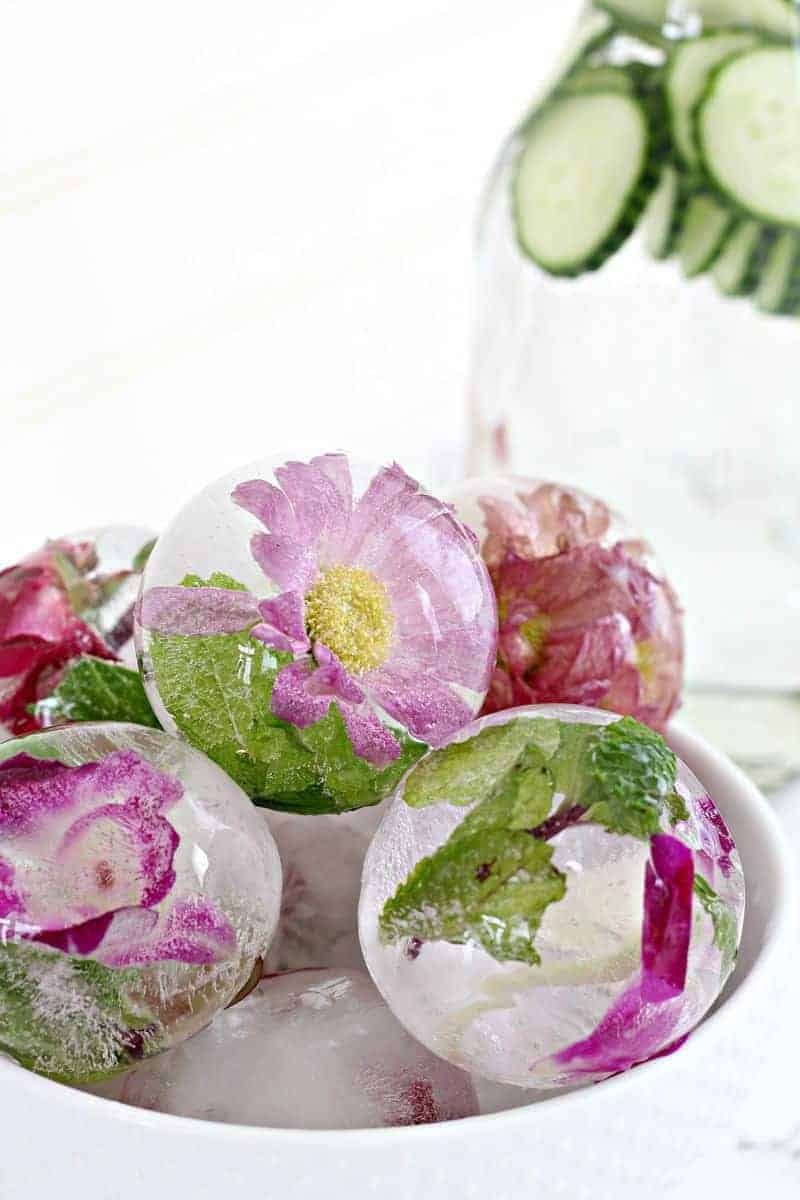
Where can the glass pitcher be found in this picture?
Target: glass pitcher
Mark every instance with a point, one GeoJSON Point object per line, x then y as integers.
{"type": "Point", "coordinates": [638, 331]}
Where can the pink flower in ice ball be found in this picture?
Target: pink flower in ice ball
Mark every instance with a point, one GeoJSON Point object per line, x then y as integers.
{"type": "Point", "coordinates": [381, 599]}
{"type": "Point", "coordinates": [586, 616]}
{"type": "Point", "coordinates": [86, 864]}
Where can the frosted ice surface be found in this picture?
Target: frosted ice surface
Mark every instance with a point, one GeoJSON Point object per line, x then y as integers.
{"type": "Point", "coordinates": [310, 1049]}
{"type": "Point", "coordinates": [138, 886]}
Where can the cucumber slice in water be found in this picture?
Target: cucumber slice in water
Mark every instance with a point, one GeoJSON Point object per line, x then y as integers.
{"type": "Point", "coordinates": [690, 66]}
{"type": "Point", "coordinates": [777, 17]}
{"type": "Point", "coordinates": [662, 217]}
{"type": "Point", "coordinates": [779, 289]}
{"type": "Point", "coordinates": [703, 233]}
{"type": "Point", "coordinates": [582, 178]}
{"type": "Point", "coordinates": [738, 268]}
{"type": "Point", "coordinates": [598, 79]}
{"type": "Point", "coordinates": [747, 128]}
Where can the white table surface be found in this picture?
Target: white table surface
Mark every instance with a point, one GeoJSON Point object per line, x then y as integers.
{"type": "Point", "coordinates": [226, 230]}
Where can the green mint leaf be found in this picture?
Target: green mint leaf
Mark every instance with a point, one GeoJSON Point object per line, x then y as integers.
{"type": "Point", "coordinates": [219, 691]}
{"type": "Point", "coordinates": [70, 1018]}
{"type": "Point", "coordinates": [142, 555]}
{"type": "Point", "coordinates": [676, 808]}
{"type": "Point", "coordinates": [491, 887]}
{"type": "Point", "coordinates": [633, 772]}
{"type": "Point", "coordinates": [571, 763]}
{"type": "Point", "coordinates": [465, 772]}
{"type": "Point", "coordinates": [723, 919]}
{"type": "Point", "coordinates": [93, 689]}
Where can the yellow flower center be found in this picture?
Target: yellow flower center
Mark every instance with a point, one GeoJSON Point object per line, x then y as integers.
{"type": "Point", "coordinates": [535, 633]}
{"type": "Point", "coordinates": [348, 609]}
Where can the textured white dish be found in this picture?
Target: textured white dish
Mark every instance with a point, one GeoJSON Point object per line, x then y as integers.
{"type": "Point", "coordinates": [639, 1130]}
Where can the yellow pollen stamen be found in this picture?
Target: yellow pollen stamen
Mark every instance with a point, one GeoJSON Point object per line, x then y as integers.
{"type": "Point", "coordinates": [348, 609]}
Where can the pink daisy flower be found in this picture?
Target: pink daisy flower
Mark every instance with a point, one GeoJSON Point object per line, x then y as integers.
{"type": "Point", "coordinates": [382, 600]}
{"type": "Point", "coordinates": [586, 617]}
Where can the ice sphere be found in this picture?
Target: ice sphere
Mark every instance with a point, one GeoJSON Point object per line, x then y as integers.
{"type": "Point", "coordinates": [138, 887]}
{"type": "Point", "coordinates": [308, 1049]}
{"type": "Point", "coordinates": [552, 898]}
{"type": "Point", "coordinates": [322, 858]}
{"type": "Point", "coordinates": [312, 626]}
{"type": "Point", "coordinates": [73, 597]}
{"type": "Point", "coordinates": [587, 615]}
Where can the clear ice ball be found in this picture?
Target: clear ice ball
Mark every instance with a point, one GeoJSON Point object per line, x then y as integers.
{"type": "Point", "coordinates": [307, 1049]}
{"type": "Point", "coordinates": [593, 1005]}
{"type": "Point", "coordinates": [138, 889]}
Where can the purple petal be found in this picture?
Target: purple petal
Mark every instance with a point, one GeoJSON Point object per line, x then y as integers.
{"type": "Point", "coordinates": [283, 625]}
{"type": "Point", "coordinates": [196, 612]}
{"type": "Point", "coordinates": [642, 1021]}
{"type": "Point", "coordinates": [268, 504]}
{"type": "Point", "coordinates": [427, 708]}
{"type": "Point", "coordinates": [370, 739]}
{"type": "Point", "coordinates": [114, 850]}
{"type": "Point", "coordinates": [104, 937]}
{"type": "Point", "coordinates": [10, 900]}
{"type": "Point", "coordinates": [290, 564]}
{"type": "Point", "coordinates": [194, 932]}
{"type": "Point", "coordinates": [291, 699]}
{"type": "Point", "coordinates": [667, 927]}
{"type": "Point", "coordinates": [715, 835]}
{"type": "Point", "coordinates": [331, 678]}
{"type": "Point", "coordinates": [623, 1038]}
{"type": "Point", "coordinates": [320, 493]}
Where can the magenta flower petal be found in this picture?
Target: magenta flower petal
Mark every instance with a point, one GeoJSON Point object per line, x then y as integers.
{"type": "Point", "coordinates": [268, 504]}
{"type": "Point", "coordinates": [370, 739]}
{"type": "Point", "coordinates": [331, 679]}
{"type": "Point", "coordinates": [288, 563]}
{"type": "Point", "coordinates": [622, 1039]}
{"type": "Point", "coordinates": [193, 931]}
{"type": "Point", "coordinates": [100, 827]}
{"type": "Point", "coordinates": [283, 625]}
{"type": "Point", "coordinates": [196, 612]}
{"type": "Point", "coordinates": [320, 493]}
{"type": "Point", "coordinates": [103, 937]}
{"type": "Point", "coordinates": [547, 519]}
{"type": "Point", "coordinates": [429, 709]}
{"type": "Point", "coordinates": [667, 929]}
{"type": "Point", "coordinates": [291, 699]}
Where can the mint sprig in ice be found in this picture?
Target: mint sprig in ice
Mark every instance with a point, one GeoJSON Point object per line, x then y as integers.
{"type": "Point", "coordinates": [553, 897]}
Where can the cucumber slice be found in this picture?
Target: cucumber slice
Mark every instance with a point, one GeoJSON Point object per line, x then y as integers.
{"type": "Point", "coordinates": [777, 17]}
{"type": "Point", "coordinates": [747, 128]}
{"type": "Point", "coordinates": [594, 79]}
{"type": "Point", "coordinates": [779, 289]}
{"type": "Point", "coordinates": [662, 218]}
{"type": "Point", "coordinates": [688, 71]}
{"type": "Point", "coordinates": [703, 233]}
{"type": "Point", "coordinates": [583, 175]}
{"type": "Point", "coordinates": [738, 268]}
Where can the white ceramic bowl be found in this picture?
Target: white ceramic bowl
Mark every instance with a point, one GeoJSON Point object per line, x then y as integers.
{"type": "Point", "coordinates": [631, 1135]}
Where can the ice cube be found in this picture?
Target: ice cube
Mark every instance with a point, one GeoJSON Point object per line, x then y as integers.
{"type": "Point", "coordinates": [575, 906]}
{"type": "Point", "coordinates": [308, 1049]}
{"type": "Point", "coordinates": [138, 888]}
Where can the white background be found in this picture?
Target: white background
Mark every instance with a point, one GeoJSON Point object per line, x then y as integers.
{"type": "Point", "coordinates": [227, 230]}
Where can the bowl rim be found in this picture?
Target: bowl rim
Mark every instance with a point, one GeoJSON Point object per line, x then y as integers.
{"type": "Point", "coordinates": [689, 745]}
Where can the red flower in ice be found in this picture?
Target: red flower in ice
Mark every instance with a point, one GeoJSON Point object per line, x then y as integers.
{"type": "Point", "coordinates": [40, 631]}
{"type": "Point", "coordinates": [584, 618]}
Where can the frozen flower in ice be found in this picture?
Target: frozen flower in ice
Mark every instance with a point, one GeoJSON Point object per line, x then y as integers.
{"type": "Point", "coordinates": [67, 600]}
{"type": "Point", "coordinates": [39, 630]}
{"type": "Point", "coordinates": [86, 859]}
{"type": "Point", "coordinates": [585, 615]}
{"type": "Point", "coordinates": [382, 601]}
